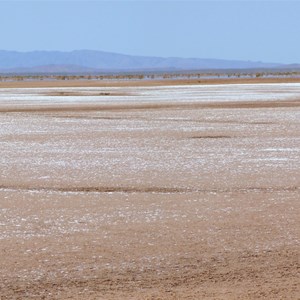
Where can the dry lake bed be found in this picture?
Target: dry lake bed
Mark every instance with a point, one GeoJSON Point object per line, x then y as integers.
{"type": "Point", "coordinates": [150, 192]}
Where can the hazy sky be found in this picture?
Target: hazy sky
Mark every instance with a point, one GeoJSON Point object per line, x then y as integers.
{"type": "Point", "coordinates": [248, 30]}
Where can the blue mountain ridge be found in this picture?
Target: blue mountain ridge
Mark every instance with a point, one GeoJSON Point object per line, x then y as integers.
{"type": "Point", "coordinates": [91, 60]}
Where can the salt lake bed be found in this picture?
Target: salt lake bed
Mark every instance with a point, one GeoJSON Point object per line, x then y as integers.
{"type": "Point", "coordinates": [150, 192]}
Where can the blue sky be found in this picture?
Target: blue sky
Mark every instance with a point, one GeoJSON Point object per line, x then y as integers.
{"type": "Point", "coordinates": [247, 30]}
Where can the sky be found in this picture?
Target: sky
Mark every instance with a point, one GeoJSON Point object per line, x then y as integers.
{"type": "Point", "coordinates": [266, 31]}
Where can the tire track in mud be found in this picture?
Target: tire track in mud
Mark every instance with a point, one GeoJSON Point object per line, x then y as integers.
{"type": "Point", "coordinates": [131, 190]}
{"type": "Point", "coordinates": [104, 189]}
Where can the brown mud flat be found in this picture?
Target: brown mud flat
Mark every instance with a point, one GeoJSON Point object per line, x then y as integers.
{"type": "Point", "coordinates": [75, 107]}
{"type": "Point", "coordinates": [182, 201]}
{"type": "Point", "coordinates": [134, 83]}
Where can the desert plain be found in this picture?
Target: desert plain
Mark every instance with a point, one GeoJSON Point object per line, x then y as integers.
{"type": "Point", "coordinates": [162, 190]}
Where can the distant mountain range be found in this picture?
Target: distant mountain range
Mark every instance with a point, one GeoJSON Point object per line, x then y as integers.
{"type": "Point", "coordinates": [88, 61]}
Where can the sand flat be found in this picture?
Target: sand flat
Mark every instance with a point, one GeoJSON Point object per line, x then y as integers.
{"type": "Point", "coordinates": [187, 191]}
